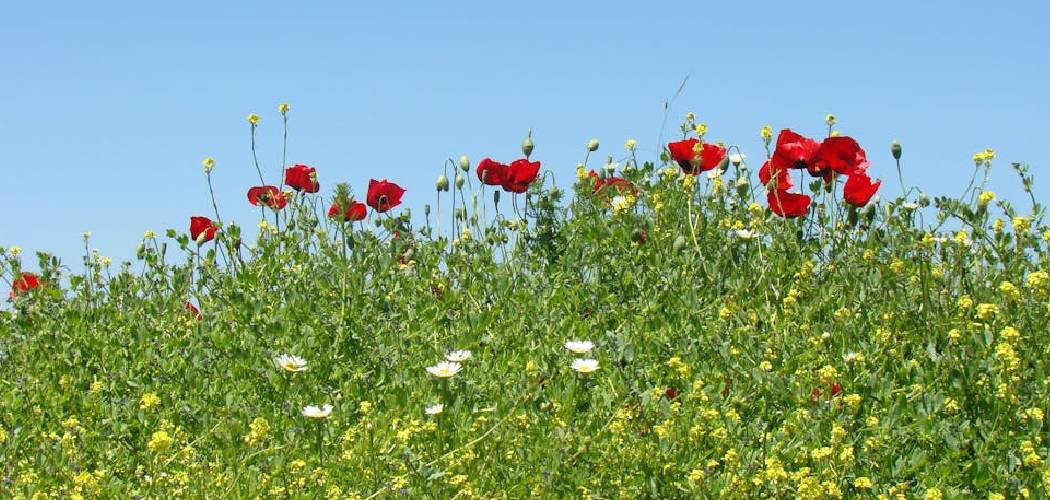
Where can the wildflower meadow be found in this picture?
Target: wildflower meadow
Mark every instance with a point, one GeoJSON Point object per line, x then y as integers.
{"type": "Point", "coordinates": [708, 323]}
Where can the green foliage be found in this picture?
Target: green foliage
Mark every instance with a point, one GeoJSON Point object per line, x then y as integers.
{"type": "Point", "coordinates": [855, 352]}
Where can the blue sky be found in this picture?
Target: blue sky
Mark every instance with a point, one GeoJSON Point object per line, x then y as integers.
{"type": "Point", "coordinates": [109, 108]}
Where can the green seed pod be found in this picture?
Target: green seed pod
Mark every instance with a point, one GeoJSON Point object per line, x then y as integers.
{"type": "Point", "coordinates": [442, 183]}
{"type": "Point", "coordinates": [895, 150]}
{"type": "Point", "coordinates": [464, 163]}
{"type": "Point", "coordinates": [459, 181]}
{"type": "Point", "coordinates": [527, 145]}
{"type": "Point", "coordinates": [592, 145]}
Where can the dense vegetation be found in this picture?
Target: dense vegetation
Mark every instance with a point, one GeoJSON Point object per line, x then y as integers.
{"type": "Point", "coordinates": [897, 348]}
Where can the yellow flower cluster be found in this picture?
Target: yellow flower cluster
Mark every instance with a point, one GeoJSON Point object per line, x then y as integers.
{"type": "Point", "coordinates": [984, 157]}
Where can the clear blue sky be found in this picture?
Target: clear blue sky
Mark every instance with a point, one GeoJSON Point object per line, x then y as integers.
{"type": "Point", "coordinates": [108, 109]}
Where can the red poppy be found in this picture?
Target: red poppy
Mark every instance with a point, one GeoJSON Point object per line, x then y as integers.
{"type": "Point", "coordinates": [354, 211]}
{"type": "Point", "coordinates": [694, 162]}
{"type": "Point", "coordinates": [383, 195]}
{"type": "Point", "coordinates": [840, 154]}
{"type": "Point", "coordinates": [793, 150]}
{"type": "Point", "coordinates": [267, 196]}
{"type": "Point", "coordinates": [202, 229]}
{"type": "Point", "coordinates": [193, 309]}
{"type": "Point", "coordinates": [302, 178]}
{"type": "Point", "coordinates": [765, 174]}
{"type": "Point", "coordinates": [836, 389]}
{"type": "Point", "coordinates": [520, 174]}
{"type": "Point", "coordinates": [23, 284]}
{"type": "Point", "coordinates": [789, 205]}
{"type": "Point", "coordinates": [492, 172]}
{"type": "Point", "coordinates": [814, 396]}
{"type": "Point", "coordinates": [671, 393]}
{"type": "Point", "coordinates": [859, 189]}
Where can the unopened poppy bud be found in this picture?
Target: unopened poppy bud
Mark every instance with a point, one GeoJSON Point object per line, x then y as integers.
{"type": "Point", "coordinates": [640, 236]}
{"type": "Point", "coordinates": [495, 197]}
{"type": "Point", "coordinates": [426, 209]}
{"type": "Point", "coordinates": [442, 183]}
{"type": "Point", "coordinates": [924, 200]}
{"type": "Point", "coordinates": [461, 213]}
{"type": "Point", "coordinates": [679, 244]}
{"type": "Point", "coordinates": [592, 145]}
{"type": "Point", "coordinates": [464, 163]}
{"type": "Point", "coordinates": [459, 181]}
{"type": "Point", "coordinates": [526, 145]}
{"type": "Point", "coordinates": [895, 149]}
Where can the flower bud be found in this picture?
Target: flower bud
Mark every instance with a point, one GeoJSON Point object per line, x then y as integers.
{"type": "Point", "coordinates": [495, 197]}
{"type": "Point", "coordinates": [924, 200]}
{"type": "Point", "coordinates": [464, 163]}
{"type": "Point", "coordinates": [459, 181]}
{"type": "Point", "coordinates": [442, 183]}
{"type": "Point", "coordinates": [895, 149]}
{"type": "Point", "coordinates": [592, 145]}
{"type": "Point", "coordinates": [526, 145]}
{"type": "Point", "coordinates": [640, 236]}
{"type": "Point", "coordinates": [679, 244]}
{"type": "Point", "coordinates": [426, 209]}
{"type": "Point", "coordinates": [208, 164]}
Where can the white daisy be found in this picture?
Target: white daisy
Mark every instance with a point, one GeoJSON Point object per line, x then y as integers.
{"type": "Point", "coordinates": [737, 158]}
{"type": "Point", "coordinates": [745, 234]}
{"type": "Point", "coordinates": [458, 356]}
{"type": "Point", "coordinates": [290, 363]}
{"type": "Point", "coordinates": [585, 365]}
{"type": "Point", "coordinates": [579, 347]}
{"type": "Point", "coordinates": [444, 369]}
{"type": "Point", "coordinates": [315, 412]}
{"type": "Point", "coordinates": [435, 409]}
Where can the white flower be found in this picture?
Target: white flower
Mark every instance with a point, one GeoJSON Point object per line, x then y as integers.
{"type": "Point", "coordinates": [579, 347]}
{"type": "Point", "coordinates": [746, 234]}
{"type": "Point", "coordinates": [714, 174]}
{"type": "Point", "coordinates": [737, 158]}
{"type": "Point", "coordinates": [585, 365]}
{"type": "Point", "coordinates": [444, 369]}
{"type": "Point", "coordinates": [290, 363]}
{"type": "Point", "coordinates": [435, 410]}
{"type": "Point", "coordinates": [315, 412]}
{"type": "Point", "coordinates": [458, 356]}
{"type": "Point", "coordinates": [620, 203]}
{"type": "Point", "coordinates": [910, 206]}
{"type": "Point", "coordinates": [851, 357]}
{"type": "Point", "coordinates": [611, 167]}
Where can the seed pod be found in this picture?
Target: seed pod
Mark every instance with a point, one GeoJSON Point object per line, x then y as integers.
{"type": "Point", "coordinates": [464, 163]}
{"type": "Point", "coordinates": [895, 150]}
{"type": "Point", "coordinates": [526, 145]}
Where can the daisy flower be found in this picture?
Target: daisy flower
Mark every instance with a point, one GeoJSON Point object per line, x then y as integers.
{"type": "Point", "coordinates": [444, 369]}
{"type": "Point", "coordinates": [458, 356]}
{"type": "Point", "coordinates": [585, 365]}
{"type": "Point", "coordinates": [435, 409]}
{"type": "Point", "coordinates": [290, 363]}
{"type": "Point", "coordinates": [579, 347]}
{"type": "Point", "coordinates": [315, 412]}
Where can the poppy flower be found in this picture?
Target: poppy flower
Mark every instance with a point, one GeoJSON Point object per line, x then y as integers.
{"type": "Point", "coordinates": [202, 229]}
{"type": "Point", "coordinates": [354, 211]}
{"type": "Point", "coordinates": [193, 309]}
{"type": "Point", "coordinates": [302, 178]}
{"type": "Point", "coordinates": [619, 184]}
{"type": "Point", "coordinates": [23, 284]}
{"type": "Point", "coordinates": [814, 396]}
{"type": "Point", "coordinates": [836, 389]}
{"type": "Point", "coordinates": [267, 196]}
{"type": "Point", "coordinates": [765, 174]}
{"type": "Point", "coordinates": [840, 154]}
{"type": "Point", "coordinates": [520, 174]}
{"type": "Point", "coordinates": [492, 172]}
{"type": "Point", "coordinates": [692, 161]}
{"type": "Point", "coordinates": [383, 195]}
{"type": "Point", "coordinates": [793, 151]}
{"type": "Point", "coordinates": [789, 205]}
{"type": "Point", "coordinates": [859, 189]}
{"type": "Point", "coordinates": [671, 393]}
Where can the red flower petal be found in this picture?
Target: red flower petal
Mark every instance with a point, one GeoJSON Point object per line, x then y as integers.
{"type": "Point", "coordinates": [354, 211]}
{"type": "Point", "coordinates": [789, 205]}
{"type": "Point", "coordinates": [684, 152]}
{"type": "Point", "coordinates": [383, 195]}
{"type": "Point", "coordinates": [202, 229]}
{"type": "Point", "coordinates": [841, 154]}
{"type": "Point", "coordinates": [302, 178]}
{"type": "Point", "coordinates": [520, 174]}
{"type": "Point", "coordinates": [193, 309]}
{"type": "Point", "coordinates": [24, 283]}
{"type": "Point", "coordinates": [765, 174]}
{"type": "Point", "coordinates": [267, 196]}
{"type": "Point", "coordinates": [793, 150]}
{"type": "Point", "coordinates": [859, 189]}
{"type": "Point", "coordinates": [492, 172]}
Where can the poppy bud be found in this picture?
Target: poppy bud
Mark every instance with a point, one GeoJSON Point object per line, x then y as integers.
{"type": "Point", "coordinates": [895, 149]}
{"type": "Point", "coordinates": [495, 197]}
{"type": "Point", "coordinates": [461, 213]}
{"type": "Point", "coordinates": [526, 145]}
{"type": "Point", "coordinates": [464, 163]}
{"type": "Point", "coordinates": [592, 145]}
{"type": "Point", "coordinates": [459, 181]}
{"type": "Point", "coordinates": [679, 244]}
{"type": "Point", "coordinates": [426, 209]}
{"type": "Point", "coordinates": [640, 236]}
{"type": "Point", "coordinates": [442, 183]}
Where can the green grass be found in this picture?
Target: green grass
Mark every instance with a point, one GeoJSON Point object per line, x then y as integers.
{"type": "Point", "coordinates": [855, 352]}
